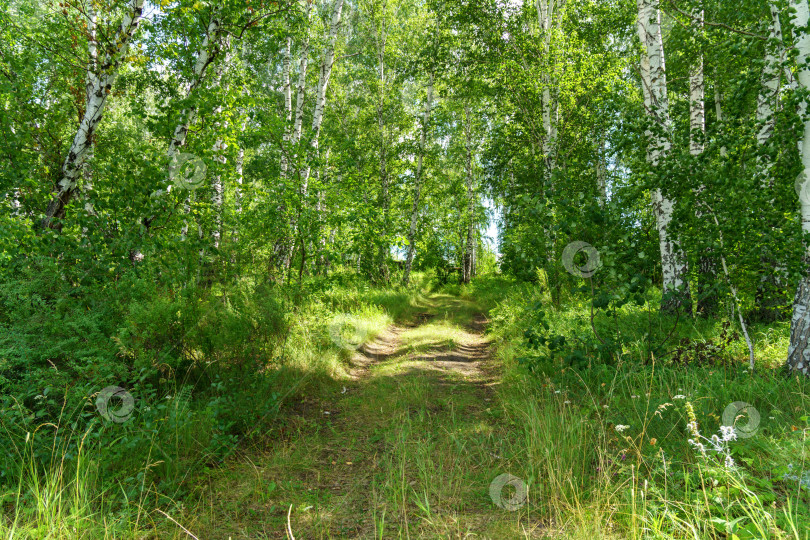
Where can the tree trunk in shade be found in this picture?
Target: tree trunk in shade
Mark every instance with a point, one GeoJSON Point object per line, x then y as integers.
{"type": "Point", "coordinates": [798, 358]}
{"type": "Point", "coordinates": [417, 187]}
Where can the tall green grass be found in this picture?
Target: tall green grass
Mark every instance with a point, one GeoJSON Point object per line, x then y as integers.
{"type": "Point", "coordinates": [211, 371]}
{"type": "Point", "coordinates": [591, 475]}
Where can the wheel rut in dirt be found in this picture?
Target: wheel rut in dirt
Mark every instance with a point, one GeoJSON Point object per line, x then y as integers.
{"type": "Point", "coordinates": [468, 358]}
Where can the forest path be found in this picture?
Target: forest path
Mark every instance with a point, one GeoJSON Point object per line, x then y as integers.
{"type": "Point", "coordinates": [405, 448]}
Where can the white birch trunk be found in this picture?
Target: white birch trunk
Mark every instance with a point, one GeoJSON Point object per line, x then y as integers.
{"type": "Point", "coordinates": [325, 73]}
{"type": "Point", "coordinates": [302, 84]}
{"type": "Point", "coordinates": [217, 192]}
{"type": "Point", "coordinates": [468, 270]}
{"type": "Point", "coordinates": [298, 124]}
{"type": "Point", "coordinates": [287, 89]}
{"type": "Point", "coordinates": [330, 242]}
{"type": "Point", "coordinates": [718, 110]}
{"type": "Point", "coordinates": [545, 15]}
{"type": "Point", "coordinates": [654, 83]}
{"type": "Point", "coordinates": [100, 80]}
{"type": "Point", "coordinates": [295, 136]}
{"type": "Point", "coordinates": [320, 261]}
{"type": "Point", "coordinates": [769, 90]}
{"type": "Point", "coordinates": [16, 205]}
{"type": "Point", "coordinates": [697, 104]}
{"type": "Point", "coordinates": [601, 173]}
{"type": "Point", "coordinates": [240, 165]}
{"type": "Point", "coordinates": [732, 288]}
{"type": "Point", "coordinates": [87, 184]}
{"type": "Point", "coordinates": [205, 56]}
{"type": "Point", "coordinates": [548, 106]}
{"type": "Point", "coordinates": [706, 300]}
{"type": "Point", "coordinates": [385, 199]}
{"type": "Point", "coordinates": [417, 188]}
{"type": "Point", "coordinates": [798, 358]}
{"type": "Point", "coordinates": [320, 104]}
{"type": "Point", "coordinates": [772, 278]}
{"type": "Point", "coordinates": [217, 188]}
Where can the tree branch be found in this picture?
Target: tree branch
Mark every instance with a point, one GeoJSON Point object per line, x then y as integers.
{"type": "Point", "coordinates": [718, 25]}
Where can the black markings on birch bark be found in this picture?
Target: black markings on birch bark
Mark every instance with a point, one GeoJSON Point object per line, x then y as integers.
{"type": "Point", "coordinates": [99, 84]}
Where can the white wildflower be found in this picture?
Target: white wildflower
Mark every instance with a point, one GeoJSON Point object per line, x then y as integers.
{"type": "Point", "coordinates": [621, 428]}
{"type": "Point", "coordinates": [698, 445]}
{"type": "Point", "coordinates": [679, 396]}
{"type": "Point", "coordinates": [716, 444]}
{"type": "Point", "coordinates": [728, 433]}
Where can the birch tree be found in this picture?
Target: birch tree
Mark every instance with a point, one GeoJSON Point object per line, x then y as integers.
{"type": "Point", "coordinates": [601, 172]}
{"type": "Point", "coordinates": [766, 100]}
{"type": "Point", "coordinates": [697, 104]}
{"type": "Point", "coordinates": [706, 301]}
{"type": "Point", "coordinates": [771, 286]}
{"type": "Point", "coordinates": [319, 108]}
{"type": "Point", "coordinates": [546, 10]}
{"type": "Point", "coordinates": [294, 136]}
{"type": "Point", "coordinates": [417, 183]}
{"type": "Point", "coordinates": [207, 53]}
{"type": "Point", "coordinates": [798, 357]}
{"type": "Point", "coordinates": [287, 90]}
{"type": "Point", "coordinates": [656, 102]}
{"type": "Point", "coordinates": [324, 74]}
{"type": "Point", "coordinates": [205, 56]}
{"type": "Point", "coordinates": [99, 82]}
{"type": "Point", "coordinates": [217, 188]}
{"type": "Point", "coordinates": [301, 86]}
{"type": "Point", "coordinates": [384, 200]}
{"type": "Point", "coordinates": [468, 269]}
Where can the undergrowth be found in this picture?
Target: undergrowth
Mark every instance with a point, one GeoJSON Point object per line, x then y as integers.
{"type": "Point", "coordinates": [209, 369]}
{"type": "Point", "coordinates": [629, 440]}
